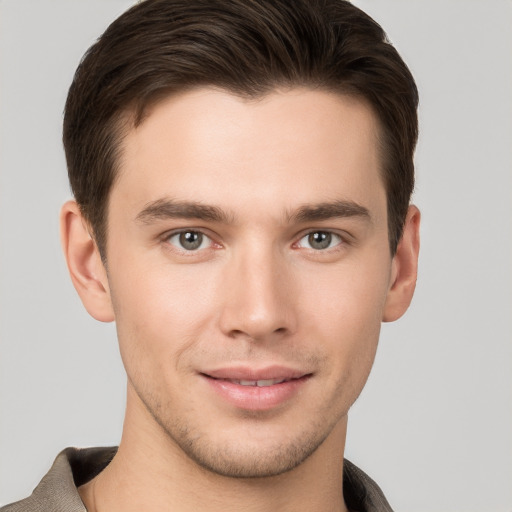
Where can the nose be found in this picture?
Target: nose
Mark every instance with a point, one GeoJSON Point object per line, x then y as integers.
{"type": "Point", "coordinates": [259, 297]}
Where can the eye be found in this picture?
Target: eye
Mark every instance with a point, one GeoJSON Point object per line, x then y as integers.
{"type": "Point", "coordinates": [189, 240]}
{"type": "Point", "coordinates": [320, 240]}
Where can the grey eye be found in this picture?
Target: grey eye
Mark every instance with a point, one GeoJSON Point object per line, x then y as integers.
{"type": "Point", "coordinates": [189, 240]}
{"type": "Point", "coordinates": [319, 240]}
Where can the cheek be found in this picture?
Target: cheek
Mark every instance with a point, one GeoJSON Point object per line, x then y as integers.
{"type": "Point", "coordinates": [346, 309]}
{"type": "Point", "coordinates": [350, 329]}
{"type": "Point", "coordinates": [352, 292]}
{"type": "Point", "coordinates": [160, 311]}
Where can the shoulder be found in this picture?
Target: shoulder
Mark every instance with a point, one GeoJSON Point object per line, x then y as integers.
{"type": "Point", "coordinates": [362, 494]}
{"type": "Point", "coordinates": [57, 491]}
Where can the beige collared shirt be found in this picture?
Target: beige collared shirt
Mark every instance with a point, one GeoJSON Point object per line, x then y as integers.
{"type": "Point", "coordinates": [57, 491]}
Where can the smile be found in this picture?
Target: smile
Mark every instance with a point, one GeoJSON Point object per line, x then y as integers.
{"type": "Point", "coordinates": [260, 383]}
{"type": "Point", "coordinates": [256, 390]}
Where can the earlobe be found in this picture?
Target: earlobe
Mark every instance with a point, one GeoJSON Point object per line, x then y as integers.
{"type": "Point", "coordinates": [404, 268]}
{"type": "Point", "coordinates": [85, 267]}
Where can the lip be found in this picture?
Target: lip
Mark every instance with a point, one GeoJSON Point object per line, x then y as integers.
{"type": "Point", "coordinates": [225, 383]}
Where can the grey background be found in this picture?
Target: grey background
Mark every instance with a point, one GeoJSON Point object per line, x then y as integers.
{"type": "Point", "coordinates": [434, 424]}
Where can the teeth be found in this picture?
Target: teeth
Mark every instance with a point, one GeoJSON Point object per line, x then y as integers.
{"type": "Point", "coordinates": [259, 383]}
{"type": "Point", "coordinates": [269, 382]}
{"type": "Point", "coordinates": [247, 382]}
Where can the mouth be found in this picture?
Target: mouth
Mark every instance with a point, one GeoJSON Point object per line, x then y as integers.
{"type": "Point", "coordinates": [259, 383]}
{"type": "Point", "coordinates": [256, 390]}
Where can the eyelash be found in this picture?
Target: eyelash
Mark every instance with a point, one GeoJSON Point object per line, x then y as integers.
{"type": "Point", "coordinates": [341, 241]}
{"type": "Point", "coordinates": [330, 234]}
{"type": "Point", "coordinates": [168, 236]}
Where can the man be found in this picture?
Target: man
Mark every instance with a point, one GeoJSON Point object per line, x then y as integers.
{"type": "Point", "coordinates": [242, 172]}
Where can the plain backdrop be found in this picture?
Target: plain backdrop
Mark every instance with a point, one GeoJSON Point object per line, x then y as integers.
{"type": "Point", "coordinates": [434, 424]}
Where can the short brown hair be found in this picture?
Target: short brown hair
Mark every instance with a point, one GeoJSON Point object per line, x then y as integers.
{"type": "Point", "coordinates": [248, 47]}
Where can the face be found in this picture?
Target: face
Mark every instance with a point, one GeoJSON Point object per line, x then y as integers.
{"type": "Point", "coordinates": [249, 269]}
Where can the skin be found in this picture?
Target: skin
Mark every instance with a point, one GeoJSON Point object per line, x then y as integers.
{"type": "Point", "coordinates": [259, 291]}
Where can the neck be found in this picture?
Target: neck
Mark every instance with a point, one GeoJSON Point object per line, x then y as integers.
{"type": "Point", "coordinates": [154, 474]}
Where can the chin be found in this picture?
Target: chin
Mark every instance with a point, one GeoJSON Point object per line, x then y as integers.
{"type": "Point", "coordinates": [249, 462]}
{"type": "Point", "coordinates": [242, 455]}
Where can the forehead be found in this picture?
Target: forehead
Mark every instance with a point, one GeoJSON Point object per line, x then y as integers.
{"type": "Point", "coordinates": [289, 147]}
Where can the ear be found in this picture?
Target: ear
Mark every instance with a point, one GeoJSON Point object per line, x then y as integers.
{"type": "Point", "coordinates": [85, 267]}
{"type": "Point", "coordinates": [404, 268]}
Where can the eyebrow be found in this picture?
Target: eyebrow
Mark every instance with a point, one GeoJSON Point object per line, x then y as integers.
{"type": "Point", "coordinates": [162, 209]}
{"type": "Point", "coordinates": [329, 210]}
{"type": "Point", "coordinates": [166, 208]}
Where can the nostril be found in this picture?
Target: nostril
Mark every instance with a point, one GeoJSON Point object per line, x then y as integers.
{"type": "Point", "coordinates": [235, 333]}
